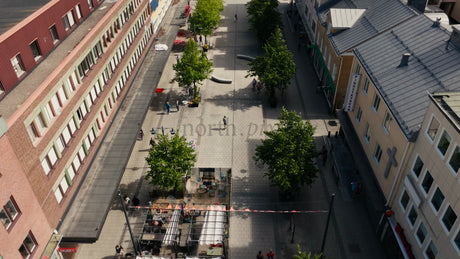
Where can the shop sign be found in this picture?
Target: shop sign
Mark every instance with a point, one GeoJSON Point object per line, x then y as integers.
{"type": "Point", "coordinates": [67, 249]}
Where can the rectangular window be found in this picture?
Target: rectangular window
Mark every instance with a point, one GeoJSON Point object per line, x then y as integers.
{"type": "Point", "coordinates": [40, 124]}
{"type": "Point", "coordinates": [66, 22]}
{"type": "Point", "coordinates": [437, 199]}
{"type": "Point", "coordinates": [58, 195]}
{"type": "Point", "coordinates": [33, 133]}
{"type": "Point", "coordinates": [9, 213]}
{"type": "Point", "coordinates": [62, 95]}
{"type": "Point", "coordinates": [60, 144]}
{"type": "Point", "coordinates": [64, 185]}
{"type": "Point", "coordinates": [412, 217]}
{"type": "Point", "coordinates": [444, 143]}
{"type": "Point", "coordinates": [54, 34]}
{"type": "Point", "coordinates": [386, 122]}
{"type": "Point", "coordinates": [449, 218]}
{"type": "Point", "coordinates": [367, 133]}
{"type": "Point", "coordinates": [378, 154]}
{"type": "Point", "coordinates": [427, 182]}
{"type": "Point", "coordinates": [72, 126]}
{"type": "Point", "coordinates": [71, 19]}
{"type": "Point", "coordinates": [358, 69]}
{"type": "Point", "coordinates": [376, 103]}
{"type": "Point", "coordinates": [28, 246]}
{"type": "Point", "coordinates": [421, 233]}
{"type": "Point", "coordinates": [18, 65]}
{"type": "Point", "coordinates": [66, 135]}
{"type": "Point", "coordinates": [404, 200]}
{"type": "Point", "coordinates": [431, 251]}
{"type": "Point", "coordinates": [36, 52]}
{"type": "Point", "coordinates": [71, 172]}
{"type": "Point", "coordinates": [417, 168]}
{"type": "Point", "coordinates": [90, 4]}
{"type": "Point", "coordinates": [76, 163]}
{"type": "Point", "coordinates": [432, 128]}
{"type": "Point", "coordinates": [366, 85]}
{"type": "Point", "coordinates": [46, 166]}
{"type": "Point", "coordinates": [49, 112]}
{"type": "Point", "coordinates": [359, 113]}
{"type": "Point", "coordinates": [78, 11]}
{"type": "Point", "coordinates": [454, 160]}
{"type": "Point", "coordinates": [56, 105]}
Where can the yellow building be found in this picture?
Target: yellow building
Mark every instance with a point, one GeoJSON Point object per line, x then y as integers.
{"type": "Point", "coordinates": [342, 27]}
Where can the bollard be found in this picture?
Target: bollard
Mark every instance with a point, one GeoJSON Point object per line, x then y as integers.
{"type": "Point", "coordinates": [328, 134]}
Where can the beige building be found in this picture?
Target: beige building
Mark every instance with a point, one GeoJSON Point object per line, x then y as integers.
{"type": "Point", "coordinates": [425, 204]}
{"type": "Point", "coordinates": [387, 103]}
{"type": "Point", "coordinates": [343, 26]}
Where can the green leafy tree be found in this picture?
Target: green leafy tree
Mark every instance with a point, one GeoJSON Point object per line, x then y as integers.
{"type": "Point", "coordinates": [276, 67]}
{"type": "Point", "coordinates": [304, 255]}
{"type": "Point", "coordinates": [169, 159]}
{"type": "Point", "coordinates": [206, 16]}
{"type": "Point", "coordinates": [289, 151]}
{"type": "Point", "coordinates": [192, 68]}
{"type": "Point", "coordinates": [264, 17]}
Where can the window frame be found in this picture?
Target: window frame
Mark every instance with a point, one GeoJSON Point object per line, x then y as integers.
{"type": "Point", "coordinates": [442, 219]}
{"type": "Point", "coordinates": [386, 122]}
{"type": "Point", "coordinates": [365, 86]}
{"type": "Point", "coordinates": [24, 244]}
{"type": "Point", "coordinates": [417, 175]}
{"type": "Point", "coordinates": [428, 129]}
{"type": "Point", "coordinates": [12, 218]}
{"type": "Point", "coordinates": [408, 216]}
{"type": "Point", "coordinates": [359, 114]}
{"type": "Point", "coordinates": [417, 231]}
{"type": "Point", "coordinates": [430, 245]}
{"type": "Point", "coordinates": [376, 103]}
{"type": "Point", "coordinates": [367, 133]}
{"type": "Point", "coordinates": [377, 154]}
{"type": "Point", "coordinates": [440, 152]}
{"type": "Point", "coordinates": [18, 65]}
{"type": "Point", "coordinates": [403, 195]}
{"type": "Point", "coordinates": [35, 48]}
{"type": "Point", "coordinates": [455, 150]}
{"type": "Point", "coordinates": [429, 180]}
{"type": "Point", "coordinates": [432, 205]}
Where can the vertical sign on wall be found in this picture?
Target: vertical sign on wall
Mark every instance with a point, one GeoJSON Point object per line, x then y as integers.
{"type": "Point", "coordinates": [351, 92]}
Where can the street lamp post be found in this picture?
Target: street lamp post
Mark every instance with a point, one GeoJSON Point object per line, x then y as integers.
{"type": "Point", "coordinates": [327, 224]}
{"type": "Point", "coordinates": [127, 223]}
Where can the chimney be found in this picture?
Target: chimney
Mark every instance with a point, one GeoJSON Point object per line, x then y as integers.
{"type": "Point", "coordinates": [419, 5]}
{"type": "Point", "coordinates": [404, 60]}
{"type": "Point", "coordinates": [437, 22]}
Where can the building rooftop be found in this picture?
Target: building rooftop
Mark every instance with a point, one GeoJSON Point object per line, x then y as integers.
{"type": "Point", "coordinates": [433, 66]}
{"type": "Point", "coordinates": [14, 11]}
{"type": "Point", "coordinates": [51, 66]}
{"type": "Point", "coordinates": [378, 17]}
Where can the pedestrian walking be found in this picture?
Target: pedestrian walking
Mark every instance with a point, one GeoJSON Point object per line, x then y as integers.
{"type": "Point", "coordinates": [177, 105]}
{"type": "Point", "coordinates": [259, 255]}
{"type": "Point", "coordinates": [236, 18]}
{"type": "Point", "coordinates": [254, 82]}
{"type": "Point", "coordinates": [168, 107]}
{"type": "Point", "coordinates": [270, 254]}
{"type": "Point", "coordinates": [201, 39]}
{"type": "Point", "coordinates": [259, 86]}
{"type": "Point", "coordinates": [119, 250]}
{"type": "Point", "coordinates": [225, 121]}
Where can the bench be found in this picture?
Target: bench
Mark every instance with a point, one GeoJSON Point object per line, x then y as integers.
{"type": "Point", "coordinates": [221, 80]}
{"type": "Point", "coordinates": [245, 57]}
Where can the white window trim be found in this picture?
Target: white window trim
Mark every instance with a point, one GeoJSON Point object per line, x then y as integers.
{"type": "Point", "coordinates": [428, 127]}
{"type": "Point", "coordinates": [457, 232]}
{"type": "Point", "coordinates": [415, 234]}
{"type": "Point", "coordinates": [446, 231]}
{"type": "Point", "coordinates": [441, 207]}
{"type": "Point", "coordinates": [449, 157]}
{"type": "Point", "coordinates": [439, 140]}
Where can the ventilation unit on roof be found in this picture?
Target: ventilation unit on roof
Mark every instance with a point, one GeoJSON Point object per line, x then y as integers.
{"type": "Point", "coordinates": [455, 35]}
{"type": "Point", "coordinates": [404, 60]}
